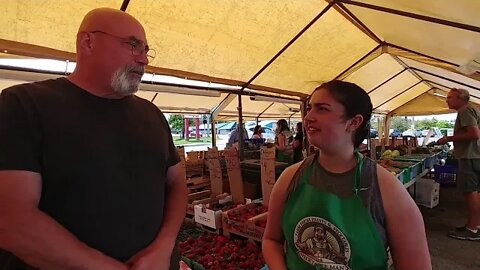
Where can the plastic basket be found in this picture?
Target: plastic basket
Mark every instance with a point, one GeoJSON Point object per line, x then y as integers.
{"type": "Point", "coordinates": [407, 175]}
{"type": "Point", "coordinates": [446, 174]}
{"type": "Point", "coordinates": [416, 169]}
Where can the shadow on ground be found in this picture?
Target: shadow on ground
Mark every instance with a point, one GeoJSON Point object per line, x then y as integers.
{"type": "Point", "coordinates": [448, 253]}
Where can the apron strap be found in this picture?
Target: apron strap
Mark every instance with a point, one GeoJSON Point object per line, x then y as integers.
{"type": "Point", "coordinates": [358, 173]}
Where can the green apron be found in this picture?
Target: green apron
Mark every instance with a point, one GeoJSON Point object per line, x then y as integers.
{"type": "Point", "coordinates": [324, 231]}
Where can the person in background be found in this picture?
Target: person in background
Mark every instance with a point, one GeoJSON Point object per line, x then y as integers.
{"type": "Point", "coordinates": [89, 175]}
{"type": "Point", "coordinates": [283, 142]}
{"type": "Point", "coordinates": [353, 208]}
{"type": "Point", "coordinates": [298, 143]}
{"type": "Point", "coordinates": [257, 132]}
{"type": "Point", "coordinates": [234, 135]}
{"type": "Point", "coordinates": [466, 143]}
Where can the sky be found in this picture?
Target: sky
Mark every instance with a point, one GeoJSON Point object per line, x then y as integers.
{"type": "Point", "coordinates": [447, 117]}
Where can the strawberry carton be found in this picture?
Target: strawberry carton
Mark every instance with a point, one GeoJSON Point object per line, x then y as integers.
{"type": "Point", "coordinates": [246, 221]}
{"type": "Point", "coordinates": [217, 252]}
{"type": "Point", "coordinates": [209, 213]}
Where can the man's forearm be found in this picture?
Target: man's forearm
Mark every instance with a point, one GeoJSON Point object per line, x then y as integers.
{"type": "Point", "coordinates": [462, 137]}
{"type": "Point", "coordinates": [41, 242]}
{"type": "Point", "coordinates": [175, 208]}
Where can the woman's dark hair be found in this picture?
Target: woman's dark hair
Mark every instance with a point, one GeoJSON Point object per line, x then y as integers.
{"type": "Point", "coordinates": [355, 100]}
{"type": "Point", "coordinates": [282, 125]}
{"type": "Point", "coordinates": [257, 130]}
{"type": "Point", "coordinates": [300, 126]}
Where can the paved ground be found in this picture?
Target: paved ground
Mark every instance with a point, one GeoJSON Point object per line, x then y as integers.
{"type": "Point", "coordinates": [448, 253]}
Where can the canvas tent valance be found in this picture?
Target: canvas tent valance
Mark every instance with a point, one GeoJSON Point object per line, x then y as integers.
{"type": "Point", "coordinates": [400, 51]}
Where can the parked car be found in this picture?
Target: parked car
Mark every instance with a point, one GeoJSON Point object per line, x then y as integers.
{"type": "Point", "coordinates": [395, 133]}
{"type": "Point", "coordinates": [435, 136]}
{"type": "Point", "coordinates": [373, 133]}
{"type": "Point", "coordinates": [414, 133]}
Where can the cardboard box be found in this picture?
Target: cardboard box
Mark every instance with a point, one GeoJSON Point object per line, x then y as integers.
{"type": "Point", "coordinates": [267, 161]}
{"type": "Point", "coordinates": [208, 217]}
{"type": "Point", "coordinates": [428, 192]}
{"type": "Point", "coordinates": [196, 198]}
{"type": "Point", "coordinates": [215, 170]}
{"type": "Point", "coordinates": [234, 175]}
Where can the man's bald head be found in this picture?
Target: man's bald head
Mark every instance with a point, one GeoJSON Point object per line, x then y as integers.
{"type": "Point", "coordinates": [108, 20]}
{"type": "Point", "coordinates": [111, 52]}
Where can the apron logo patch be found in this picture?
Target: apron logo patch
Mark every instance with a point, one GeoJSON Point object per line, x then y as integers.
{"type": "Point", "coordinates": [319, 242]}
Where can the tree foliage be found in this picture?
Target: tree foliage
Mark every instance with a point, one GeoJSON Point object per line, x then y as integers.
{"type": "Point", "coordinates": [444, 124]}
{"type": "Point", "coordinates": [400, 123]}
{"type": "Point", "coordinates": [426, 124]}
{"type": "Point", "coordinates": [176, 122]}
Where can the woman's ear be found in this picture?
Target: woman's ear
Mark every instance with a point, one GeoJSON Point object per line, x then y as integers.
{"type": "Point", "coordinates": [354, 123]}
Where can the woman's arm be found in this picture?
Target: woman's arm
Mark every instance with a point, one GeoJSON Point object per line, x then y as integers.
{"type": "Point", "coordinates": [273, 239]}
{"type": "Point", "coordinates": [281, 142]}
{"type": "Point", "coordinates": [405, 227]}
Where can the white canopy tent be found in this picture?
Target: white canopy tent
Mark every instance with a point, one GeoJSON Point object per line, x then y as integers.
{"type": "Point", "coordinates": [404, 53]}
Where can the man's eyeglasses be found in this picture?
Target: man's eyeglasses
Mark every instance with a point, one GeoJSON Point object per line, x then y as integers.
{"type": "Point", "coordinates": [138, 47]}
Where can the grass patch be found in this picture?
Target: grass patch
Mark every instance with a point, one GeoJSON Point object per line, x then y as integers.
{"type": "Point", "coordinates": [180, 141]}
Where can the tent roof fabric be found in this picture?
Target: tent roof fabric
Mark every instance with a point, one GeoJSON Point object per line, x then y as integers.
{"type": "Point", "coordinates": [399, 51]}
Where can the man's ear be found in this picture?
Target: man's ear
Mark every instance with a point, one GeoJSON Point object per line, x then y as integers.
{"type": "Point", "coordinates": [85, 42]}
{"type": "Point", "coordinates": [354, 123]}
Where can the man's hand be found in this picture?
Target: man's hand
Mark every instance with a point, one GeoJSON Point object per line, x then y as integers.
{"type": "Point", "coordinates": [442, 140]}
{"type": "Point", "coordinates": [151, 258]}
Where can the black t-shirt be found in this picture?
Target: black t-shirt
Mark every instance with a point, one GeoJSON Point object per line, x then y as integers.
{"type": "Point", "coordinates": [103, 161]}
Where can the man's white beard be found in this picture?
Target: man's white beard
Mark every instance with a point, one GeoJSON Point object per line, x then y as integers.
{"type": "Point", "coordinates": [124, 85]}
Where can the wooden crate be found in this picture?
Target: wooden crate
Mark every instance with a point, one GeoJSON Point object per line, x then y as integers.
{"type": "Point", "coordinates": [194, 168]}
{"type": "Point", "coordinates": [195, 163]}
{"type": "Point", "coordinates": [198, 184]}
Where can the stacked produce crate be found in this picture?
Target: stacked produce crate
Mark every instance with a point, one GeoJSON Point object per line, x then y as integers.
{"type": "Point", "coordinates": [209, 212]}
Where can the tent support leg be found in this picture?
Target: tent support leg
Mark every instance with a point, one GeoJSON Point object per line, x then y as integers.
{"type": "Point", "coordinates": [214, 131]}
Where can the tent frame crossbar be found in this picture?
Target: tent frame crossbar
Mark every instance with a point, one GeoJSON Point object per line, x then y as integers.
{"type": "Point", "coordinates": [391, 113]}
{"type": "Point", "coordinates": [387, 80]}
{"type": "Point", "coordinates": [297, 36]}
{"type": "Point", "coordinates": [444, 86]}
{"type": "Point", "coordinates": [445, 78]}
{"type": "Point", "coordinates": [268, 107]}
{"type": "Point", "coordinates": [339, 76]}
{"type": "Point", "coordinates": [419, 54]}
{"type": "Point", "coordinates": [413, 16]}
{"type": "Point", "coordinates": [124, 5]}
{"type": "Point", "coordinates": [357, 22]}
{"type": "Point", "coordinates": [392, 98]}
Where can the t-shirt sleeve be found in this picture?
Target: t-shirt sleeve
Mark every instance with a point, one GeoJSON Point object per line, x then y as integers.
{"type": "Point", "coordinates": [173, 157]}
{"type": "Point", "coordinates": [468, 117]}
{"type": "Point", "coordinates": [19, 133]}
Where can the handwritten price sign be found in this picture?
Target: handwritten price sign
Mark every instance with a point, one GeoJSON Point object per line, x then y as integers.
{"type": "Point", "coordinates": [215, 171]}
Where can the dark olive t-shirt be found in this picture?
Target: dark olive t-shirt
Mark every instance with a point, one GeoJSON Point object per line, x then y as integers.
{"type": "Point", "coordinates": [103, 161]}
{"type": "Point", "coordinates": [467, 116]}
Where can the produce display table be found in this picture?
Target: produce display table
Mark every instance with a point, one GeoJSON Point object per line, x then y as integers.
{"type": "Point", "coordinates": [414, 181]}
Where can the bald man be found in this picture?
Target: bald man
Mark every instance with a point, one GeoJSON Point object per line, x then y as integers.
{"type": "Point", "coordinates": [89, 174]}
{"type": "Point", "coordinates": [466, 142]}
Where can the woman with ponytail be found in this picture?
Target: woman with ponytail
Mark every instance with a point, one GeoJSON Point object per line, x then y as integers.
{"type": "Point", "coordinates": [338, 209]}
